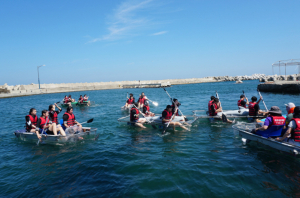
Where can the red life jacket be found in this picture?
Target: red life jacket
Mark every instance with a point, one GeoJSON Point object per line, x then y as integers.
{"type": "Point", "coordinates": [130, 101]}
{"type": "Point", "coordinates": [80, 100]}
{"type": "Point", "coordinates": [251, 108]}
{"type": "Point", "coordinates": [296, 132]}
{"type": "Point", "coordinates": [33, 121]}
{"type": "Point", "coordinates": [66, 100]}
{"type": "Point", "coordinates": [85, 98]}
{"type": "Point", "coordinates": [277, 121]}
{"type": "Point", "coordinates": [212, 112]}
{"type": "Point", "coordinates": [168, 116]}
{"type": "Point", "coordinates": [142, 100]}
{"type": "Point", "coordinates": [239, 104]}
{"type": "Point", "coordinates": [43, 122]}
{"type": "Point", "coordinates": [173, 107]}
{"type": "Point", "coordinates": [132, 115]}
{"type": "Point", "coordinates": [71, 119]}
{"type": "Point", "coordinates": [146, 109]}
{"type": "Point", "coordinates": [53, 117]}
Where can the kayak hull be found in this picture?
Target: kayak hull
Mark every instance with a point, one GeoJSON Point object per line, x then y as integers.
{"type": "Point", "coordinates": [75, 104]}
{"type": "Point", "coordinates": [54, 139]}
{"type": "Point", "coordinates": [245, 133]}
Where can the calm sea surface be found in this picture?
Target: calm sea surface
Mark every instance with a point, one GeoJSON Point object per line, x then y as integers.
{"type": "Point", "coordinates": [208, 161]}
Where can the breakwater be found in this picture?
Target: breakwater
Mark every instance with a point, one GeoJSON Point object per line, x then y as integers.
{"type": "Point", "coordinates": [7, 91]}
{"type": "Point", "coordinates": [280, 83]}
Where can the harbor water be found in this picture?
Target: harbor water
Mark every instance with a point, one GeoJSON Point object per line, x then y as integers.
{"type": "Point", "coordinates": [210, 160]}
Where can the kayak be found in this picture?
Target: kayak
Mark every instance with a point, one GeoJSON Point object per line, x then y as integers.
{"type": "Point", "coordinates": [87, 132]}
{"type": "Point", "coordinates": [85, 103]}
{"type": "Point", "coordinates": [157, 121]}
{"type": "Point", "coordinates": [245, 132]}
{"type": "Point", "coordinates": [241, 112]}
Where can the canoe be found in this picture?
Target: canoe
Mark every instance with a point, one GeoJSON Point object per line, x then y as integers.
{"type": "Point", "coordinates": [245, 132]}
{"type": "Point", "coordinates": [74, 104]}
{"type": "Point", "coordinates": [239, 113]}
{"type": "Point", "coordinates": [56, 139]}
{"type": "Point", "coordinates": [157, 121]}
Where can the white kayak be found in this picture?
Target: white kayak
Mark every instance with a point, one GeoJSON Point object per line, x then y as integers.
{"type": "Point", "coordinates": [245, 132]}
{"type": "Point", "coordinates": [241, 112]}
{"type": "Point", "coordinates": [56, 139]}
{"type": "Point", "coordinates": [157, 120]}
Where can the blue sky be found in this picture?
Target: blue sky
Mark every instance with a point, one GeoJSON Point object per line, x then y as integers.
{"type": "Point", "coordinates": [94, 41]}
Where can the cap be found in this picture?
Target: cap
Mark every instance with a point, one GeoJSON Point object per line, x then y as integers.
{"type": "Point", "coordinates": [290, 105]}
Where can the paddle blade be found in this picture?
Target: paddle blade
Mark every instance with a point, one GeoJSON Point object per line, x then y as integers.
{"type": "Point", "coordinates": [57, 102]}
{"type": "Point", "coordinates": [90, 120]}
{"type": "Point", "coordinates": [155, 103]}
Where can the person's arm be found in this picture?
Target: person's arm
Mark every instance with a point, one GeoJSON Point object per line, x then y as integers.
{"type": "Point", "coordinates": [65, 119]}
{"type": "Point", "coordinates": [287, 133]}
{"type": "Point", "coordinates": [28, 122]}
{"type": "Point", "coordinates": [266, 125]}
{"type": "Point", "coordinates": [38, 124]}
{"type": "Point", "coordinates": [259, 100]}
{"type": "Point", "coordinates": [58, 108]}
{"type": "Point", "coordinates": [247, 103]}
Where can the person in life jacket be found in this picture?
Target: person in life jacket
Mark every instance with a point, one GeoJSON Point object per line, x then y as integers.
{"type": "Point", "coordinates": [54, 120]}
{"type": "Point", "coordinates": [254, 109]}
{"type": "Point", "coordinates": [85, 100]}
{"type": "Point", "coordinates": [134, 116]}
{"type": "Point", "coordinates": [292, 135]}
{"type": "Point", "coordinates": [167, 117]}
{"type": "Point", "coordinates": [210, 102]}
{"type": "Point", "coordinates": [214, 107]}
{"type": "Point", "coordinates": [44, 125]}
{"type": "Point", "coordinates": [142, 100]}
{"type": "Point", "coordinates": [70, 120]}
{"type": "Point", "coordinates": [80, 100]}
{"type": "Point", "coordinates": [290, 112]}
{"type": "Point", "coordinates": [175, 105]}
{"type": "Point", "coordinates": [31, 121]}
{"type": "Point", "coordinates": [243, 104]}
{"type": "Point", "coordinates": [146, 110]}
{"type": "Point", "coordinates": [71, 99]}
{"type": "Point", "coordinates": [130, 100]}
{"type": "Point", "coordinates": [66, 100]}
{"type": "Point", "coordinates": [274, 118]}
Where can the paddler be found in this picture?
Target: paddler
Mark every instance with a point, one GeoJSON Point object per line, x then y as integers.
{"type": "Point", "coordinates": [44, 124]}
{"type": "Point", "coordinates": [215, 108]}
{"type": "Point", "coordinates": [290, 110]}
{"type": "Point", "coordinates": [142, 100]}
{"type": "Point", "coordinates": [254, 109]}
{"type": "Point", "coordinates": [274, 118]}
{"type": "Point", "coordinates": [31, 122]}
{"type": "Point", "coordinates": [241, 102]}
{"type": "Point", "coordinates": [167, 118]}
{"type": "Point", "coordinates": [85, 99]}
{"type": "Point", "coordinates": [53, 119]}
{"type": "Point", "coordinates": [71, 99]}
{"type": "Point", "coordinates": [292, 135]}
{"type": "Point", "coordinates": [80, 100]}
{"type": "Point", "coordinates": [175, 104]}
{"type": "Point", "coordinates": [134, 116]}
{"type": "Point", "coordinates": [146, 110]}
{"type": "Point", "coordinates": [70, 120]}
{"type": "Point", "coordinates": [66, 100]}
{"type": "Point", "coordinates": [210, 102]}
{"type": "Point", "coordinates": [130, 101]}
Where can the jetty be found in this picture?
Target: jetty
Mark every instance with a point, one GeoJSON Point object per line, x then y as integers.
{"type": "Point", "coordinates": [7, 91]}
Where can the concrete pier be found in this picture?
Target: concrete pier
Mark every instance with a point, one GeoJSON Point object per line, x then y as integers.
{"type": "Point", "coordinates": [280, 87]}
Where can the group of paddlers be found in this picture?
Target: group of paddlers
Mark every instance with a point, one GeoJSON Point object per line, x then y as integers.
{"type": "Point", "coordinates": [143, 104]}
{"type": "Point", "coordinates": [82, 99]}
{"type": "Point", "coordinates": [274, 119]}
{"type": "Point", "coordinates": [48, 122]}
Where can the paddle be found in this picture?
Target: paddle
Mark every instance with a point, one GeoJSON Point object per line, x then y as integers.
{"type": "Point", "coordinates": [170, 121]}
{"type": "Point", "coordinates": [89, 121]}
{"type": "Point", "coordinates": [127, 95]}
{"type": "Point", "coordinates": [262, 100]}
{"type": "Point", "coordinates": [154, 103]}
{"type": "Point", "coordinates": [173, 102]}
{"type": "Point", "coordinates": [43, 130]}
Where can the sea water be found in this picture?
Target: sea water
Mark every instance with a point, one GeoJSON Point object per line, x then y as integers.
{"type": "Point", "coordinates": [208, 161]}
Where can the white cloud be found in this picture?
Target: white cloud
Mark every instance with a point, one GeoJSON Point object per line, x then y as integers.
{"type": "Point", "coordinates": [160, 33]}
{"type": "Point", "coordinates": [126, 20]}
